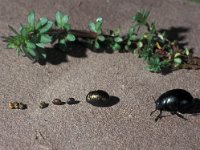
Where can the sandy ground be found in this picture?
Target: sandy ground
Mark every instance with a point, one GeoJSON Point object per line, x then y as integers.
{"type": "Point", "coordinates": [125, 125]}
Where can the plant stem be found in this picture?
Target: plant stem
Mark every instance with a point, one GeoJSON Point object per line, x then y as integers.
{"type": "Point", "coordinates": [77, 33]}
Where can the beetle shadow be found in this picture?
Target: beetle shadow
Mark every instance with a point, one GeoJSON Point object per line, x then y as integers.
{"type": "Point", "coordinates": [113, 100]}
{"type": "Point", "coordinates": [177, 34]}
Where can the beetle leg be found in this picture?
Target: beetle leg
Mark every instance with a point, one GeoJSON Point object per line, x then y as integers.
{"type": "Point", "coordinates": [159, 116]}
{"type": "Point", "coordinates": [179, 115]}
{"type": "Point", "coordinates": [153, 112]}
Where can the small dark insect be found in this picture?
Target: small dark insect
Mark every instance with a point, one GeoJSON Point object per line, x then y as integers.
{"type": "Point", "coordinates": [98, 97]}
{"type": "Point", "coordinates": [176, 101]}
{"type": "Point", "coordinates": [22, 106]}
{"type": "Point", "coordinates": [43, 105]}
{"type": "Point", "coordinates": [72, 101]}
{"type": "Point", "coordinates": [58, 102]}
{"type": "Point", "coordinates": [17, 105]}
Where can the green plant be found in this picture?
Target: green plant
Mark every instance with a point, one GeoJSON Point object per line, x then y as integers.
{"type": "Point", "coordinates": [31, 38]}
{"type": "Point", "coordinates": [96, 27]}
{"type": "Point", "coordinates": [61, 23]}
{"type": "Point", "coordinates": [154, 47]}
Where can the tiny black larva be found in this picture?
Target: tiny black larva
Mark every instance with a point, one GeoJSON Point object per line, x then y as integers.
{"type": "Point", "coordinates": [176, 101]}
{"type": "Point", "coordinates": [98, 97]}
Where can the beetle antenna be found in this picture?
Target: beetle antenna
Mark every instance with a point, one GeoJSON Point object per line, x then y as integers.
{"type": "Point", "coordinates": [154, 99]}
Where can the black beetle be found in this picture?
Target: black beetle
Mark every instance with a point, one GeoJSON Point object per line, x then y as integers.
{"type": "Point", "coordinates": [98, 98]}
{"type": "Point", "coordinates": [176, 101]}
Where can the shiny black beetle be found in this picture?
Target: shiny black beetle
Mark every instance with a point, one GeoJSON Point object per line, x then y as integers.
{"type": "Point", "coordinates": [98, 98]}
{"type": "Point", "coordinates": [176, 101]}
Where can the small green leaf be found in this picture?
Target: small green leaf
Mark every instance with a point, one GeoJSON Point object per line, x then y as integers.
{"type": "Point", "coordinates": [41, 45]}
{"type": "Point", "coordinates": [59, 18]}
{"type": "Point", "coordinates": [98, 23]}
{"type": "Point", "coordinates": [11, 45]}
{"type": "Point", "coordinates": [177, 60]}
{"type": "Point", "coordinates": [67, 26]}
{"type": "Point", "coordinates": [116, 46]}
{"type": "Point", "coordinates": [132, 37]}
{"type": "Point", "coordinates": [31, 18]}
{"type": "Point", "coordinates": [41, 23]}
{"type": "Point", "coordinates": [161, 36]}
{"type": "Point", "coordinates": [30, 48]}
{"type": "Point", "coordinates": [30, 45]}
{"type": "Point", "coordinates": [177, 55]}
{"type": "Point", "coordinates": [13, 29]}
{"type": "Point", "coordinates": [101, 38]}
{"type": "Point", "coordinates": [118, 39]}
{"type": "Point", "coordinates": [187, 51]}
{"type": "Point", "coordinates": [70, 37]}
{"type": "Point", "coordinates": [129, 43]}
{"type": "Point", "coordinates": [65, 19]}
{"type": "Point", "coordinates": [46, 27]}
{"type": "Point", "coordinates": [96, 45]}
{"type": "Point", "coordinates": [44, 55]}
{"type": "Point", "coordinates": [62, 41]}
{"type": "Point", "coordinates": [139, 44]}
{"type": "Point", "coordinates": [91, 26]}
{"type": "Point", "coordinates": [141, 17]}
{"type": "Point", "coordinates": [23, 31]}
{"type": "Point", "coordinates": [45, 38]}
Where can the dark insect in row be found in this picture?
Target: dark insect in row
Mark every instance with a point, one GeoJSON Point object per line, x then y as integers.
{"type": "Point", "coordinates": [17, 105]}
{"type": "Point", "coordinates": [176, 101]}
{"type": "Point", "coordinates": [98, 98]}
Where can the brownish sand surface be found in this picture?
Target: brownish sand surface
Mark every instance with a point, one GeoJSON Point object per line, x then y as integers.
{"type": "Point", "coordinates": [125, 125]}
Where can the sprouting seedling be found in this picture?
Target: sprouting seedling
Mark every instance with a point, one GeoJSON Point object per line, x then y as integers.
{"type": "Point", "coordinates": [61, 23]}
{"type": "Point", "coordinates": [31, 37]}
{"type": "Point", "coordinates": [115, 40]}
{"type": "Point", "coordinates": [97, 28]}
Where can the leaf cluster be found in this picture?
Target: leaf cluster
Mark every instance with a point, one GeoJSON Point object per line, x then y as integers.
{"type": "Point", "coordinates": [153, 46]}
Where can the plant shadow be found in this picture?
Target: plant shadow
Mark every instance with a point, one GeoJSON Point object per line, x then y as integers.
{"type": "Point", "coordinates": [57, 54]}
{"type": "Point", "coordinates": [177, 34]}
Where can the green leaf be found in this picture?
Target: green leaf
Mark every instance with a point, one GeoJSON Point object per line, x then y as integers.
{"type": "Point", "coordinates": [46, 27]}
{"type": "Point", "coordinates": [67, 26]}
{"type": "Point", "coordinates": [141, 17]}
{"type": "Point", "coordinates": [65, 19]}
{"type": "Point", "coordinates": [30, 45]}
{"type": "Point", "coordinates": [70, 37]}
{"type": "Point", "coordinates": [59, 18]}
{"type": "Point", "coordinates": [118, 39]}
{"type": "Point", "coordinates": [62, 41]}
{"type": "Point", "coordinates": [11, 45]}
{"type": "Point", "coordinates": [96, 45]}
{"type": "Point", "coordinates": [41, 23]}
{"type": "Point", "coordinates": [13, 30]}
{"type": "Point", "coordinates": [98, 23]}
{"type": "Point", "coordinates": [41, 45]}
{"type": "Point", "coordinates": [44, 55]}
{"type": "Point", "coordinates": [91, 26]}
{"type": "Point", "coordinates": [116, 46]}
{"type": "Point", "coordinates": [31, 18]}
{"type": "Point", "coordinates": [101, 38]}
{"type": "Point", "coordinates": [23, 32]}
{"type": "Point", "coordinates": [177, 60]}
{"type": "Point", "coordinates": [187, 51]}
{"type": "Point", "coordinates": [45, 38]}
{"type": "Point", "coordinates": [30, 48]}
{"type": "Point", "coordinates": [139, 44]}
{"type": "Point", "coordinates": [132, 37]}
